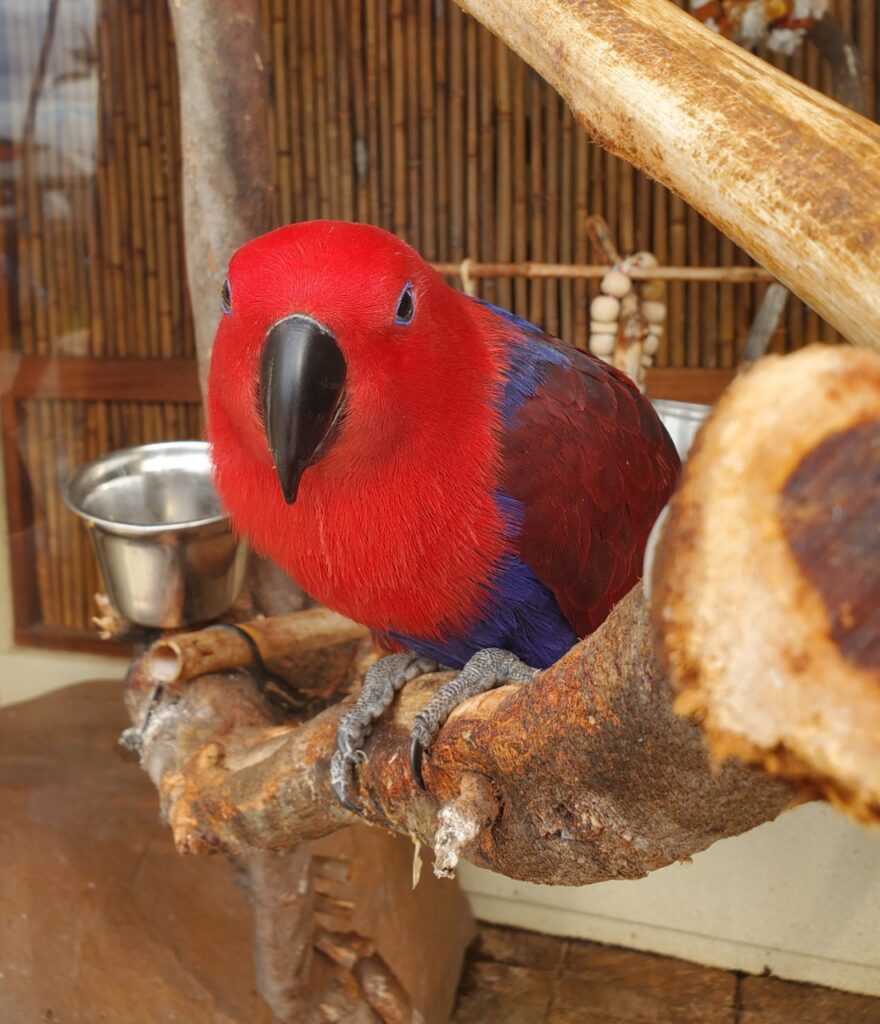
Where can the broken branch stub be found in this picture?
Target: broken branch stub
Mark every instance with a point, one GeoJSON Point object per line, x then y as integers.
{"type": "Point", "coordinates": [766, 583]}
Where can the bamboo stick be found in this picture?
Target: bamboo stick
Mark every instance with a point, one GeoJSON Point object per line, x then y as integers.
{"type": "Point", "coordinates": [427, 129]}
{"type": "Point", "coordinates": [325, 20]}
{"type": "Point", "coordinates": [579, 288]}
{"type": "Point", "coordinates": [588, 271]}
{"type": "Point", "coordinates": [347, 171]}
{"type": "Point", "coordinates": [398, 118]}
{"type": "Point", "coordinates": [521, 73]}
{"type": "Point", "coordinates": [414, 155]}
{"type": "Point", "coordinates": [567, 222]}
{"type": "Point", "coordinates": [362, 153]}
{"type": "Point", "coordinates": [472, 135]}
{"type": "Point", "coordinates": [441, 93]}
{"type": "Point", "coordinates": [537, 197]}
{"type": "Point", "coordinates": [375, 167]}
{"type": "Point", "coordinates": [504, 170]}
{"type": "Point", "coordinates": [455, 143]}
{"type": "Point", "coordinates": [307, 85]}
{"type": "Point", "coordinates": [551, 233]}
{"type": "Point", "coordinates": [387, 206]}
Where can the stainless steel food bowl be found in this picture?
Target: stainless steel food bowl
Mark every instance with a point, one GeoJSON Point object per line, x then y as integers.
{"type": "Point", "coordinates": [165, 547]}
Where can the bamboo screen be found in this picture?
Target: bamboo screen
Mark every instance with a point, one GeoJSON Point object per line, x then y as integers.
{"type": "Point", "coordinates": [404, 113]}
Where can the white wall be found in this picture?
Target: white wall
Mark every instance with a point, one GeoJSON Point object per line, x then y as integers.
{"type": "Point", "coordinates": [800, 895]}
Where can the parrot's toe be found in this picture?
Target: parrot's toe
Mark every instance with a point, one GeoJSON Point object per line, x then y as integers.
{"type": "Point", "coordinates": [382, 681]}
{"type": "Point", "coordinates": [484, 671]}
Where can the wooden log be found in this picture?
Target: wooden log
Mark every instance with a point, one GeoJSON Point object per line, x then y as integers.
{"type": "Point", "coordinates": [766, 587]}
{"type": "Point", "coordinates": [787, 173]}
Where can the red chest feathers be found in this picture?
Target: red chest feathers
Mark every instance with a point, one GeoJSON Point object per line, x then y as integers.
{"type": "Point", "coordinates": [405, 547]}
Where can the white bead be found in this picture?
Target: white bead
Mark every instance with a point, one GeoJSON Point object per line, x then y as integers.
{"type": "Point", "coordinates": [616, 283]}
{"type": "Point", "coordinates": [598, 327]}
{"type": "Point", "coordinates": [654, 312]}
{"type": "Point", "coordinates": [647, 361]}
{"type": "Point", "coordinates": [602, 344]}
{"type": "Point", "coordinates": [605, 308]}
{"type": "Point", "coordinates": [644, 259]}
{"type": "Point", "coordinates": [656, 330]}
{"type": "Point", "coordinates": [652, 344]}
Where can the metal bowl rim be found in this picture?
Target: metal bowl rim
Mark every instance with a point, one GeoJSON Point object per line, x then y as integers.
{"type": "Point", "coordinates": [683, 410]}
{"type": "Point", "coordinates": [135, 529]}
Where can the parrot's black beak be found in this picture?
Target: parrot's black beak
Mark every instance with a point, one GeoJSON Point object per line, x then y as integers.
{"type": "Point", "coordinates": [302, 374]}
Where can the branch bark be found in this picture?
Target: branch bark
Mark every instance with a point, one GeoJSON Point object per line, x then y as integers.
{"type": "Point", "coordinates": [788, 174]}
{"type": "Point", "coordinates": [590, 774]}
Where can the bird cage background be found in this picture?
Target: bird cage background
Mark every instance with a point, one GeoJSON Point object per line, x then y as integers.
{"type": "Point", "coordinates": [403, 113]}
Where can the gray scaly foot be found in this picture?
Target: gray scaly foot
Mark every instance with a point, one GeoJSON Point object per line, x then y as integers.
{"type": "Point", "coordinates": [382, 681]}
{"type": "Point", "coordinates": [484, 671]}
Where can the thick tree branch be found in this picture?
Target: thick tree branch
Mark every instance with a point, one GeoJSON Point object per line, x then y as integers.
{"type": "Point", "coordinates": [224, 129]}
{"type": "Point", "coordinates": [592, 773]}
{"type": "Point", "coordinates": [788, 174]}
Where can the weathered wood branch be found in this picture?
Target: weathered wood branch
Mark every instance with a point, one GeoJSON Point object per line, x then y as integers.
{"type": "Point", "coordinates": [788, 174]}
{"type": "Point", "coordinates": [590, 774]}
{"type": "Point", "coordinates": [766, 585]}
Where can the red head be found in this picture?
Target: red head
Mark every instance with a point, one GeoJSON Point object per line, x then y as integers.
{"type": "Point", "coordinates": [339, 343]}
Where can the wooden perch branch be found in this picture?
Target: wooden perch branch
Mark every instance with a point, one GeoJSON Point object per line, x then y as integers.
{"type": "Point", "coordinates": [585, 774]}
{"type": "Point", "coordinates": [788, 174]}
{"type": "Point", "coordinates": [766, 587]}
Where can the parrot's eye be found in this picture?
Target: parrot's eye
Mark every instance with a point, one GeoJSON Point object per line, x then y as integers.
{"type": "Point", "coordinates": [226, 298]}
{"type": "Point", "coordinates": [406, 307]}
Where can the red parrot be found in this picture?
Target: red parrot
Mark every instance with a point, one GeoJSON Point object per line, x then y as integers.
{"type": "Point", "coordinates": [473, 490]}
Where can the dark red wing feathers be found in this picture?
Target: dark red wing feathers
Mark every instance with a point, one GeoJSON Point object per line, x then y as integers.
{"type": "Point", "coordinates": [592, 466]}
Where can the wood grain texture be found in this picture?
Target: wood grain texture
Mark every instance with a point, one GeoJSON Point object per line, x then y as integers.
{"type": "Point", "coordinates": [788, 174]}
{"type": "Point", "coordinates": [778, 659]}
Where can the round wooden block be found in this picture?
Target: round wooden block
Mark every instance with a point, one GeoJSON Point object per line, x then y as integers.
{"type": "Point", "coordinates": [605, 309]}
{"type": "Point", "coordinates": [602, 344]}
{"type": "Point", "coordinates": [616, 283]}
{"type": "Point", "coordinates": [766, 582]}
{"type": "Point", "coordinates": [654, 312]}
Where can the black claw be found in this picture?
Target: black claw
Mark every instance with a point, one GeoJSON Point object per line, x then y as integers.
{"type": "Point", "coordinates": [341, 791]}
{"type": "Point", "coordinates": [416, 753]}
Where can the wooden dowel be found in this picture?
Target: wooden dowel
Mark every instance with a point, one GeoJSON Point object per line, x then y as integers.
{"type": "Point", "coordinates": [175, 659]}
{"type": "Point", "coordinates": [567, 271]}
